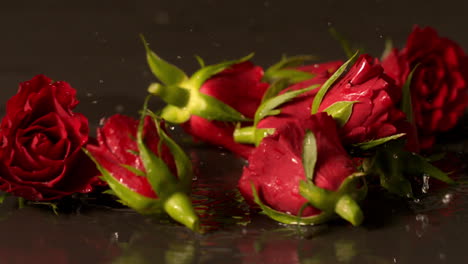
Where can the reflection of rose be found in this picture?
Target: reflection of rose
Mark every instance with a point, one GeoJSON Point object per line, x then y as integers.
{"type": "Point", "coordinates": [275, 166]}
{"type": "Point", "coordinates": [42, 238]}
{"type": "Point", "coordinates": [241, 88]}
{"type": "Point", "coordinates": [40, 155]}
{"type": "Point", "coordinates": [439, 85]}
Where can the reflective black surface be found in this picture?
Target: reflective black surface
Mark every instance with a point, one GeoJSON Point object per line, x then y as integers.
{"type": "Point", "coordinates": [94, 46]}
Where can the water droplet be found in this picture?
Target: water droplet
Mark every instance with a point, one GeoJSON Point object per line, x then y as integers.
{"type": "Point", "coordinates": [394, 260]}
{"type": "Point", "coordinates": [447, 198]}
{"type": "Point", "coordinates": [179, 57]}
{"type": "Point", "coordinates": [441, 256]}
{"type": "Point", "coordinates": [417, 200]}
{"type": "Point", "coordinates": [94, 101]}
{"type": "Point", "coordinates": [216, 44]}
{"type": "Point", "coordinates": [102, 121]}
{"type": "Point", "coordinates": [294, 160]}
{"type": "Point", "coordinates": [425, 185]}
{"type": "Point", "coordinates": [395, 156]}
{"type": "Point", "coordinates": [329, 23]}
{"type": "Point", "coordinates": [119, 108]}
{"type": "Point", "coordinates": [101, 81]}
{"type": "Point", "coordinates": [114, 237]}
{"type": "Point", "coordinates": [89, 94]}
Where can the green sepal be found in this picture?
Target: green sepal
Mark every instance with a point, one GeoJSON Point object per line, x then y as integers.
{"type": "Point", "coordinates": [251, 135]}
{"type": "Point", "coordinates": [175, 114]}
{"type": "Point", "coordinates": [343, 202]}
{"type": "Point", "coordinates": [406, 104]}
{"type": "Point", "coordinates": [387, 49]}
{"type": "Point", "coordinates": [328, 83]}
{"type": "Point", "coordinates": [418, 164]}
{"type": "Point", "coordinates": [134, 170]}
{"type": "Point", "coordinates": [309, 154]}
{"type": "Point", "coordinates": [134, 200]}
{"type": "Point", "coordinates": [51, 205]}
{"type": "Point", "coordinates": [286, 63]}
{"type": "Point", "coordinates": [200, 61]}
{"type": "Point", "coordinates": [342, 40]}
{"type": "Point", "coordinates": [288, 218]}
{"type": "Point", "coordinates": [182, 161]}
{"type": "Point", "coordinates": [268, 107]}
{"type": "Point", "coordinates": [213, 109]}
{"type": "Point", "coordinates": [173, 95]}
{"type": "Point", "coordinates": [175, 201]}
{"type": "Point", "coordinates": [292, 75]}
{"type": "Point", "coordinates": [341, 111]}
{"type": "Point", "coordinates": [377, 142]}
{"type": "Point", "coordinates": [275, 88]}
{"type": "Point", "coordinates": [206, 72]}
{"type": "Point", "coordinates": [167, 73]}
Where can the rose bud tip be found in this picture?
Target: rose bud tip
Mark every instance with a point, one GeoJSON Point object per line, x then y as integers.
{"type": "Point", "coordinates": [179, 206]}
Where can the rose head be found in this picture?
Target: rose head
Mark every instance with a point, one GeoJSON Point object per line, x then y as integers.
{"type": "Point", "coordinates": [276, 165]}
{"type": "Point", "coordinates": [117, 146]}
{"type": "Point", "coordinates": [40, 154]}
{"type": "Point", "coordinates": [241, 88]}
{"type": "Point", "coordinates": [439, 90]}
{"type": "Point", "coordinates": [374, 114]}
{"type": "Point", "coordinates": [145, 168]}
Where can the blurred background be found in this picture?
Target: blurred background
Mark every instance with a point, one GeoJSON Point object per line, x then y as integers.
{"type": "Point", "coordinates": [94, 45]}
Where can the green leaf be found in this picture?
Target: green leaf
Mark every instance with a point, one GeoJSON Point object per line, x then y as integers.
{"type": "Point", "coordinates": [267, 107]}
{"type": "Point", "coordinates": [213, 109]}
{"type": "Point", "coordinates": [287, 218]}
{"type": "Point", "coordinates": [323, 90]}
{"type": "Point", "coordinates": [341, 111]}
{"type": "Point", "coordinates": [343, 42]}
{"type": "Point", "coordinates": [167, 73]}
{"type": "Point", "coordinates": [406, 105]}
{"type": "Point", "coordinates": [309, 154]}
{"type": "Point", "coordinates": [416, 164]}
{"type": "Point", "coordinates": [377, 142]}
{"type": "Point", "coordinates": [200, 76]}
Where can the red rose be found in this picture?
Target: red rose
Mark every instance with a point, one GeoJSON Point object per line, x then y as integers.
{"type": "Point", "coordinates": [439, 89]}
{"type": "Point", "coordinates": [40, 155]}
{"type": "Point", "coordinates": [146, 175]}
{"type": "Point", "coordinates": [117, 146]}
{"type": "Point", "coordinates": [240, 87]}
{"type": "Point", "coordinates": [374, 114]}
{"type": "Point", "coordinates": [276, 166]}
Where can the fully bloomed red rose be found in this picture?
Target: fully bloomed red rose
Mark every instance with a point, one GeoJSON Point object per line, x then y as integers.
{"type": "Point", "coordinates": [238, 86]}
{"type": "Point", "coordinates": [117, 146]}
{"type": "Point", "coordinates": [439, 87]}
{"type": "Point", "coordinates": [374, 113]}
{"type": "Point", "coordinates": [275, 167]}
{"type": "Point", "coordinates": [41, 141]}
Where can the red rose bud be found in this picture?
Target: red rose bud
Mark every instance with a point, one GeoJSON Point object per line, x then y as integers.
{"type": "Point", "coordinates": [225, 92]}
{"type": "Point", "coordinates": [303, 164]}
{"type": "Point", "coordinates": [439, 90]}
{"type": "Point", "coordinates": [140, 172]}
{"type": "Point", "coordinates": [41, 141]}
{"type": "Point", "coordinates": [361, 102]}
{"type": "Point", "coordinates": [241, 88]}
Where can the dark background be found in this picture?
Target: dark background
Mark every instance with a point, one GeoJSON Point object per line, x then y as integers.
{"type": "Point", "coordinates": [94, 45]}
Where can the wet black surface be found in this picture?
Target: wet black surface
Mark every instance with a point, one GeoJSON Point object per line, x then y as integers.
{"type": "Point", "coordinates": [94, 45]}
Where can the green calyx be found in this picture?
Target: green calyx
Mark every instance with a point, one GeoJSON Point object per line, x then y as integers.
{"type": "Point", "coordinates": [393, 165]}
{"type": "Point", "coordinates": [254, 135]}
{"type": "Point", "coordinates": [284, 69]}
{"type": "Point", "coordinates": [342, 202]}
{"type": "Point", "coordinates": [172, 191]}
{"type": "Point", "coordinates": [182, 93]}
